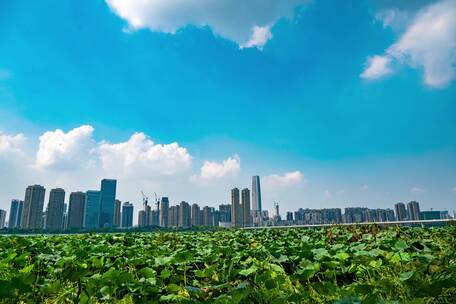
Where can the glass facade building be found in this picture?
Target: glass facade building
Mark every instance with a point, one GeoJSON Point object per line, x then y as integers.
{"type": "Point", "coordinates": [92, 209]}
{"type": "Point", "coordinates": [107, 202]}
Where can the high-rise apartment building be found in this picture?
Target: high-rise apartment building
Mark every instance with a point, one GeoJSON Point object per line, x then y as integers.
{"type": "Point", "coordinates": [127, 215]}
{"type": "Point", "coordinates": [56, 204]}
{"type": "Point", "coordinates": [196, 215]}
{"type": "Point", "coordinates": [76, 210]}
{"type": "Point", "coordinates": [2, 218]}
{"type": "Point", "coordinates": [32, 211]}
{"type": "Point", "coordinates": [117, 216]}
{"type": "Point", "coordinates": [164, 208]}
{"type": "Point", "coordinates": [208, 216]}
{"type": "Point", "coordinates": [15, 214]}
{"type": "Point", "coordinates": [92, 209]}
{"type": "Point", "coordinates": [225, 213]}
{"type": "Point", "coordinates": [245, 199]}
{"type": "Point", "coordinates": [413, 211]}
{"type": "Point", "coordinates": [401, 212]}
{"type": "Point", "coordinates": [107, 201]}
{"type": "Point", "coordinates": [289, 216]}
{"type": "Point", "coordinates": [142, 218]}
{"type": "Point", "coordinates": [236, 209]}
{"type": "Point", "coordinates": [185, 215]}
{"type": "Point", "coordinates": [173, 216]}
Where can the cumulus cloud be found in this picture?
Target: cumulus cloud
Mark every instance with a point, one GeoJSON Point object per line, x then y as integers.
{"type": "Point", "coordinates": [60, 150]}
{"type": "Point", "coordinates": [245, 22]}
{"type": "Point", "coordinates": [428, 44]}
{"type": "Point", "coordinates": [260, 35]}
{"type": "Point", "coordinates": [376, 67]}
{"type": "Point", "coordinates": [11, 144]}
{"type": "Point", "coordinates": [212, 171]}
{"type": "Point", "coordinates": [281, 181]}
{"type": "Point", "coordinates": [141, 156]}
{"type": "Point", "coordinates": [416, 190]}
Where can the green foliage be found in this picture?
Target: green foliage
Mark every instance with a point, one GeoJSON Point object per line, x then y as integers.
{"type": "Point", "coordinates": [333, 265]}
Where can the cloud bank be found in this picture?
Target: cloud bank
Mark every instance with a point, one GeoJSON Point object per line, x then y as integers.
{"type": "Point", "coordinates": [245, 22]}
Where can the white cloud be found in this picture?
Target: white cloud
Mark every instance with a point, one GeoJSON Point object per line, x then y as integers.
{"type": "Point", "coordinates": [376, 67]}
{"type": "Point", "coordinates": [364, 187]}
{"type": "Point", "coordinates": [394, 18]}
{"type": "Point", "coordinates": [416, 190]}
{"type": "Point", "coordinates": [60, 150]}
{"type": "Point", "coordinates": [245, 22]}
{"type": "Point", "coordinates": [212, 171]}
{"type": "Point", "coordinates": [260, 35]}
{"type": "Point", "coordinates": [428, 44]}
{"type": "Point", "coordinates": [140, 156]}
{"type": "Point", "coordinates": [11, 143]}
{"type": "Point", "coordinates": [281, 181]}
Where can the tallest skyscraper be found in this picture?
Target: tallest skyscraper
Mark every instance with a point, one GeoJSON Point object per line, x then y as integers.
{"type": "Point", "coordinates": [256, 194]}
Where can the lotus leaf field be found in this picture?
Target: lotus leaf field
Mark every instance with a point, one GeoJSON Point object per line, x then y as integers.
{"type": "Point", "coordinates": [293, 265]}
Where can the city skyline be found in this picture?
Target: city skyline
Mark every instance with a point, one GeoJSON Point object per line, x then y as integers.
{"type": "Point", "coordinates": [85, 211]}
{"type": "Point", "coordinates": [356, 111]}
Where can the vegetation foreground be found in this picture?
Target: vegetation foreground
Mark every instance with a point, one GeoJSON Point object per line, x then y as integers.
{"type": "Point", "coordinates": [334, 265]}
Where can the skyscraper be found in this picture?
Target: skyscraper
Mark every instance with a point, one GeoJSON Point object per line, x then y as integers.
{"type": "Point", "coordinates": [117, 207]}
{"type": "Point", "coordinates": [127, 215]}
{"type": "Point", "coordinates": [196, 215]}
{"type": "Point", "coordinates": [2, 218]}
{"type": "Point", "coordinates": [236, 210]}
{"type": "Point", "coordinates": [207, 216]}
{"type": "Point", "coordinates": [76, 210]}
{"type": "Point", "coordinates": [173, 216]}
{"type": "Point", "coordinates": [256, 193]}
{"type": "Point", "coordinates": [401, 213]}
{"type": "Point", "coordinates": [225, 213]}
{"type": "Point", "coordinates": [107, 200]}
{"type": "Point", "coordinates": [245, 195]}
{"type": "Point", "coordinates": [14, 220]}
{"type": "Point", "coordinates": [142, 218]}
{"type": "Point", "coordinates": [164, 207]}
{"type": "Point", "coordinates": [54, 217]}
{"type": "Point", "coordinates": [184, 215]}
{"type": "Point", "coordinates": [92, 209]}
{"type": "Point", "coordinates": [32, 211]}
{"type": "Point", "coordinates": [413, 211]}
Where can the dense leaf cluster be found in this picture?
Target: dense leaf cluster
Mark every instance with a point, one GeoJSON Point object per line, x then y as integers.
{"type": "Point", "coordinates": [333, 265]}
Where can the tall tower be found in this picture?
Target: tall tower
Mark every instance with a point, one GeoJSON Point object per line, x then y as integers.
{"type": "Point", "coordinates": [107, 201]}
{"type": "Point", "coordinates": [184, 215]}
{"type": "Point", "coordinates": [401, 213]}
{"type": "Point", "coordinates": [196, 215]}
{"type": "Point", "coordinates": [117, 207]}
{"type": "Point", "coordinates": [236, 210]}
{"type": "Point", "coordinates": [164, 207]}
{"type": "Point", "coordinates": [54, 219]}
{"type": "Point", "coordinates": [32, 212]}
{"type": "Point", "coordinates": [127, 215]}
{"type": "Point", "coordinates": [245, 195]}
{"type": "Point", "coordinates": [256, 194]}
{"type": "Point", "coordinates": [15, 213]}
{"type": "Point", "coordinates": [76, 210]}
{"type": "Point", "coordinates": [413, 210]}
{"type": "Point", "coordinates": [92, 209]}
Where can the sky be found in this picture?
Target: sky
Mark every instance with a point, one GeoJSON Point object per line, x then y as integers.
{"type": "Point", "coordinates": [333, 105]}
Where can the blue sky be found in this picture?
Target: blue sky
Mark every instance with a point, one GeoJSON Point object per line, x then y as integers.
{"type": "Point", "coordinates": [295, 101]}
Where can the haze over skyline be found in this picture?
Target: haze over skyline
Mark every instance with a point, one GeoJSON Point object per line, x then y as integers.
{"type": "Point", "coordinates": [331, 105]}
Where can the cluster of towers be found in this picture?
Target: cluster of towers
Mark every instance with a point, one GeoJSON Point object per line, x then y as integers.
{"type": "Point", "coordinates": [92, 209]}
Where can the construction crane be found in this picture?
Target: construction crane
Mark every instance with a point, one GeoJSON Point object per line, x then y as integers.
{"type": "Point", "coordinates": [145, 199]}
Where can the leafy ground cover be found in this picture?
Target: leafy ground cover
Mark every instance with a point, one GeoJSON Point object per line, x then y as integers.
{"type": "Point", "coordinates": [334, 265]}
